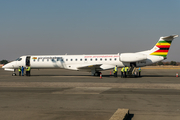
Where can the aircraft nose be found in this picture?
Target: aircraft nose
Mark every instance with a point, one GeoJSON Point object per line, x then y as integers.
{"type": "Point", "coordinates": [10, 65]}
{"type": "Point", "coordinates": [7, 65]}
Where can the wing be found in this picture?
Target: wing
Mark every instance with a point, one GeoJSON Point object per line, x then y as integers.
{"type": "Point", "coordinates": [90, 67]}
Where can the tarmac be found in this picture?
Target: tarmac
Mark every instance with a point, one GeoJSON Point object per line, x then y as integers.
{"type": "Point", "coordinates": [58, 94]}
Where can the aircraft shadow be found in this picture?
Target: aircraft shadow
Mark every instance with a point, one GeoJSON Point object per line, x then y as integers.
{"type": "Point", "coordinates": [143, 76]}
{"type": "Point", "coordinates": [158, 76]}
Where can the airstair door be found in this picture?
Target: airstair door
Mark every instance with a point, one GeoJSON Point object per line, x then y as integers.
{"type": "Point", "coordinates": [28, 60]}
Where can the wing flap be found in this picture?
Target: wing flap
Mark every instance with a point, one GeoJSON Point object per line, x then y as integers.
{"type": "Point", "coordinates": [89, 67]}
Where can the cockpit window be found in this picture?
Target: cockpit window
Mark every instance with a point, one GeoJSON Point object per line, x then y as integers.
{"type": "Point", "coordinates": [19, 59]}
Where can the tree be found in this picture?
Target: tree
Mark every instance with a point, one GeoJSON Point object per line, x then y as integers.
{"type": "Point", "coordinates": [160, 63]}
{"type": "Point", "coordinates": [4, 62]}
{"type": "Point", "coordinates": [173, 63]}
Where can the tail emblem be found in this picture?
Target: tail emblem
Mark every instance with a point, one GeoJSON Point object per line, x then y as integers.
{"type": "Point", "coordinates": [162, 48]}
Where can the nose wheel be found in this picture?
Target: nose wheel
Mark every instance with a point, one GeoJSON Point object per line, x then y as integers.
{"type": "Point", "coordinates": [14, 74]}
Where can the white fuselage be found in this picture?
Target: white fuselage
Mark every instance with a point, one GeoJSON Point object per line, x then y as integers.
{"type": "Point", "coordinates": [79, 62]}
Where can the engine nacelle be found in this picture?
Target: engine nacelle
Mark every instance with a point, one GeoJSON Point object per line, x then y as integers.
{"type": "Point", "coordinates": [132, 57]}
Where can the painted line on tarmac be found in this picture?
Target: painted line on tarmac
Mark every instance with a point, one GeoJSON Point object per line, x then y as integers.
{"type": "Point", "coordinates": [120, 114]}
{"type": "Point", "coordinates": [77, 76]}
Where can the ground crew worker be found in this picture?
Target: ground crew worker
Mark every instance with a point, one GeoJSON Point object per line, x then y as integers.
{"type": "Point", "coordinates": [26, 71]}
{"type": "Point", "coordinates": [115, 71]}
{"type": "Point", "coordinates": [139, 71]}
{"type": "Point", "coordinates": [29, 70]}
{"type": "Point", "coordinates": [22, 70]}
{"type": "Point", "coordinates": [122, 72]}
{"type": "Point", "coordinates": [127, 69]}
{"type": "Point", "coordinates": [19, 69]}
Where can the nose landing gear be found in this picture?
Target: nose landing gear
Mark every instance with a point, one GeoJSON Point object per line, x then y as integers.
{"type": "Point", "coordinates": [13, 74]}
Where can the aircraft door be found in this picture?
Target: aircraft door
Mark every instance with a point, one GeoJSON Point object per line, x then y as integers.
{"type": "Point", "coordinates": [133, 64]}
{"type": "Point", "coordinates": [28, 60]}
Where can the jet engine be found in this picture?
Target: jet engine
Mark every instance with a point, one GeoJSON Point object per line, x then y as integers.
{"type": "Point", "coordinates": [132, 57]}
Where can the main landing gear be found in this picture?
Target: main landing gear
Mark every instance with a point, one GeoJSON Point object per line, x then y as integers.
{"type": "Point", "coordinates": [97, 73]}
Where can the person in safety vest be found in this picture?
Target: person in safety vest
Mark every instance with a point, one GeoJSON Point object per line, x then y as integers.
{"type": "Point", "coordinates": [122, 72]}
{"type": "Point", "coordinates": [139, 71]}
{"type": "Point", "coordinates": [19, 69]}
{"type": "Point", "coordinates": [115, 71]}
{"type": "Point", "coordinates": [29, 70]}
{"type": "Point", "coordinates": [22, 70]}
{"type": "Point", "coordinates": [126, 69]}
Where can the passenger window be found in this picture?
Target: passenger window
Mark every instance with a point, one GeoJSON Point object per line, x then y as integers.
{"type": "Point", "coordinates": [96, 59]}
{"type": "Point", "coordinates": [76, 59]}
{"type": "Point", "coordinates": [110, 59]}
{"type": "Point", "coordinates": [66, 59]}
{"type": "Point", "coordinates": [91, 59]}
{"type": "Point", "coordinates": [115, 59]}
{"type": "Point", "coordinates": [71, 59]}
{"type": "Point", "coordinates": [101, 59]}
{"type": "Point", "coordinates": [80, 59]}
{"type": "Point", "coordinates": [105, 59]}
{"type": "Point", "coordinates": [85, 59]}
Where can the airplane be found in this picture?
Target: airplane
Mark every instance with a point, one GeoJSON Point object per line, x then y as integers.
{"type": "Point", "coordinates": [96, 62]}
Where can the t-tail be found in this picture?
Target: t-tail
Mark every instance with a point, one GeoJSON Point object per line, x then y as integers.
{"type": "Point", "coordinates": [162, 46]}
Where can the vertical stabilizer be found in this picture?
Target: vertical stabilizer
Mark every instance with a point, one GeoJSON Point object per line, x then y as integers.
{"type": "Point", "coordinates": [162, 46]}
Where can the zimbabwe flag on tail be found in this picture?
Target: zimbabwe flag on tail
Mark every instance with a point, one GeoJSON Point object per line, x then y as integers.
{"type": "Point", "coordinates": [162, 46]}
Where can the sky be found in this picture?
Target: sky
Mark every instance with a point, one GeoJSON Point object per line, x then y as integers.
{"type": "Point", "coordinates": [57, 27]}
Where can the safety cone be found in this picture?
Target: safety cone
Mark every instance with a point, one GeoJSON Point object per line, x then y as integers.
{"type": "Point", "coordinates": [100, 75]}
{"type": "Point", "coordinates": [177, 75]}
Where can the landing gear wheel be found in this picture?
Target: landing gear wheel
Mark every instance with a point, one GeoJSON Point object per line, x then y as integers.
{"type": "Point", "coordinates": [14, 74]}
{"type": "Point", "coordinates": [97, 74]}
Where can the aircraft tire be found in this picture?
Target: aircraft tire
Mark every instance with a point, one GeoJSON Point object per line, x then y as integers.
{"type": "Point", "coordinates": [97, 74]}
{"type": "Point", "coordinates": [14, 74]}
